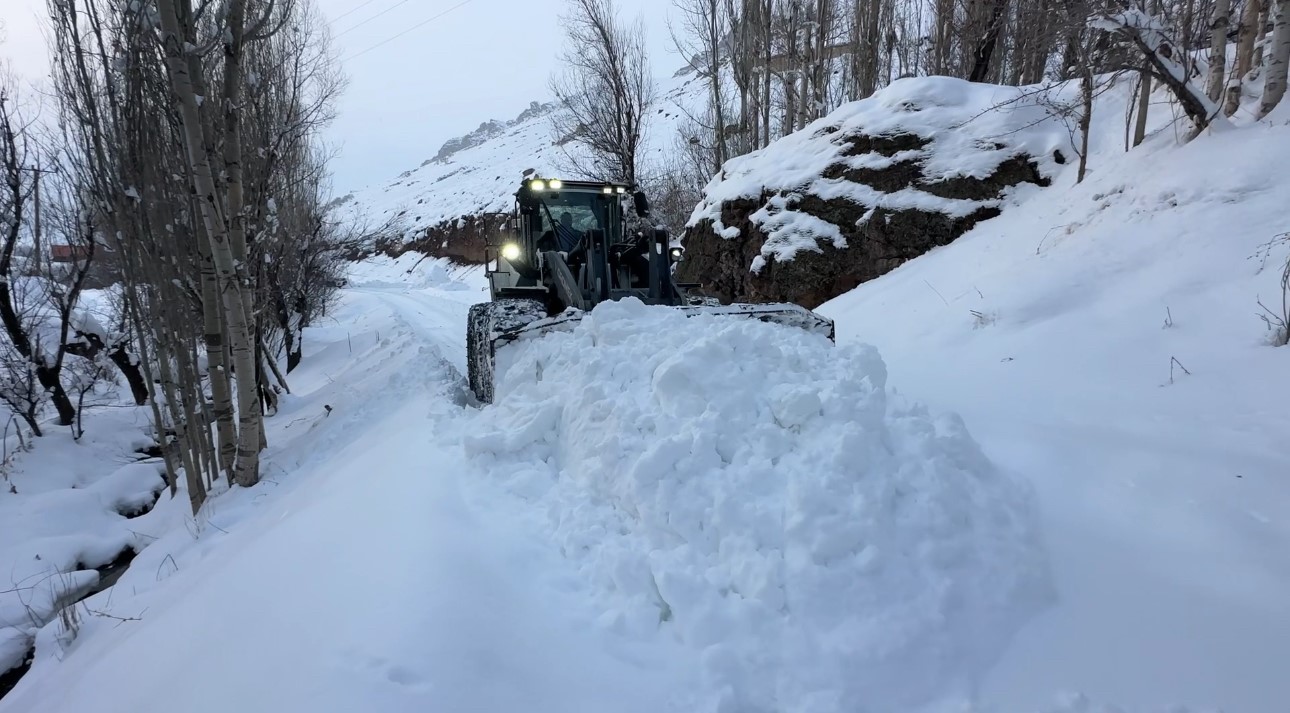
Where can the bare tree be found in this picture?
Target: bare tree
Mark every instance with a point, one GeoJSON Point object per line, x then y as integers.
{"type": "Point", "coordinates": [605, 88]}
{"type": "Point", "coordinates": [1149, 36]}
{"type": "Point", "coordinates": [742, 27]}
{"type": "Point", "coordinates": [198, 146]}
{"type": "Point", "coordinates": [702, 36]}
{"type": "Point", "coordinates": [23, 303]}
{"type": "Point", "coordinates": [221, 211]}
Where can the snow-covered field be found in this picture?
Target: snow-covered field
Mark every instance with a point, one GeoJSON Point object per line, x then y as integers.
{"type": "Point", "coordinates": [1048, 458]}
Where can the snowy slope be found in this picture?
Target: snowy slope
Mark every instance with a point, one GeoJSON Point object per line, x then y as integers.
{"type": "Point", "coordinates": [1054, 331]}
{"type": "Point", "coordinates": [479, 173]}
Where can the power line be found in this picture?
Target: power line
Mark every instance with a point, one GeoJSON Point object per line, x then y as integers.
{"type": "Point", "coordinates": [386, 11]}
{"type": "Point", "coordinates": [351, 11]}
{"type": "Point", "coordinates": [410, 29]}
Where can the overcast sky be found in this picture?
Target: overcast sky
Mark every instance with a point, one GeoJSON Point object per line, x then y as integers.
{"type": "Point", "coordinates": [485, 59]}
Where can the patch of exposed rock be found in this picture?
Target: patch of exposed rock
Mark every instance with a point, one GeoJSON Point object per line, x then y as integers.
{"type": "Point", "coordinates": [461, 240]}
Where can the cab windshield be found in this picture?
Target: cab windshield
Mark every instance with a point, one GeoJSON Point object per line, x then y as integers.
{"type": "Point", "coordinates": [568, 215]}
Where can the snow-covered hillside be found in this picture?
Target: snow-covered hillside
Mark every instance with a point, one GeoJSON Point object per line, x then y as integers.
{"type": "Point", "coordinates": [1043, 470]}
{"type": "Point", "coordinates": [1104, 340]}
{"type": "Point", "coordinates": [479, 173]}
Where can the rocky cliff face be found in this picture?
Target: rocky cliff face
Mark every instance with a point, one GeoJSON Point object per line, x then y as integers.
{"type": "Point", "coordinates": [461, 240]}
{"type": "Point", "coordinates": [858, 193]}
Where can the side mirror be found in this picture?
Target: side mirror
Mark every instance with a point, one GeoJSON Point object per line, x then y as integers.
{"type": "Point", "coordinates": [642, 203]}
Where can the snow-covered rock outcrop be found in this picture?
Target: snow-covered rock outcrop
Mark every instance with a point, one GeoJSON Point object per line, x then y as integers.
{"type": "Point", "coordinates": [866, 188]}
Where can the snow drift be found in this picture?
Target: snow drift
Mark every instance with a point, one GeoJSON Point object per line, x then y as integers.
{"type": "Point", "coordinates": [761, 495]}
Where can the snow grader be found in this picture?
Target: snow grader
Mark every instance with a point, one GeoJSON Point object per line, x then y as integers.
{"type": "Point", "coordinates": [567, 248]}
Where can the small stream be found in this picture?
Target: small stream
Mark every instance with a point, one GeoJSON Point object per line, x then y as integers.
{"type": "Point", "coordinates": [109, 575]}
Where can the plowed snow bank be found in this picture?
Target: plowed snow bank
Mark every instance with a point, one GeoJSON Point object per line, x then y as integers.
{"type": "Point", "coordinates": [759, 494]}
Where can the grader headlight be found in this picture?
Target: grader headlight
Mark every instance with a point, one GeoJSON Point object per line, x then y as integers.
{"type": "Point", "coordinates": [511, 252]}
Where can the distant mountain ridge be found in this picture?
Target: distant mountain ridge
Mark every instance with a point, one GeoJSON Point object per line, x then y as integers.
{"type": "Point", "coordinates": [449, 204]}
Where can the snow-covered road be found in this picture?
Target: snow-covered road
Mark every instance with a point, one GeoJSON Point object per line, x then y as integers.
{"type": "Point", "coordinates": [370, 585]}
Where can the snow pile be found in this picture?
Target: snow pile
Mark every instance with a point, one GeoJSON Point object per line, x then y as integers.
{"type": "Point", "coordinates": [948, 127]}
{"type": "Point", "coordinates": [761, 495]}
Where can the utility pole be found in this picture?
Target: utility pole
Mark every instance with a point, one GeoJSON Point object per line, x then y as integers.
{"type": "Point", "coordinates": [36, 229]}
{"type": "Point", "coordinates": [35, 234]}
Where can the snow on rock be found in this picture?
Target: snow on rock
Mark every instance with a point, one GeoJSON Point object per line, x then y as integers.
{"type": "Point", "coordinates": [876, 182]}
{"type": "Point", "coordinates": [761, 495]}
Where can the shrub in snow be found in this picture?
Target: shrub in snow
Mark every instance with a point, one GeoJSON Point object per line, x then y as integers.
{"type": "Point", "coordinates": [758, 492]}
{"type": "Point", "coordinates": [873, 184]}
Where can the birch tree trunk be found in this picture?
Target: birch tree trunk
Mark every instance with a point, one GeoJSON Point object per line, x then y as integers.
{"type": "Point", "coordinates": [249, 416]}
{"type": "Point", "coordinates": [1278, 57]}
{"type": "Point", "coordinates": [246, 467]}
{"type": "Point", "coordinates": [1247, 33]}
{"type": "Point", "coordinates": [943, 44]}
{"type": "Point", "coordinates": [217, 365]}
{"type": "Point", "coordinates": [1265, 27]}
{"type": "Point", "coordinates": [1218, 25]}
